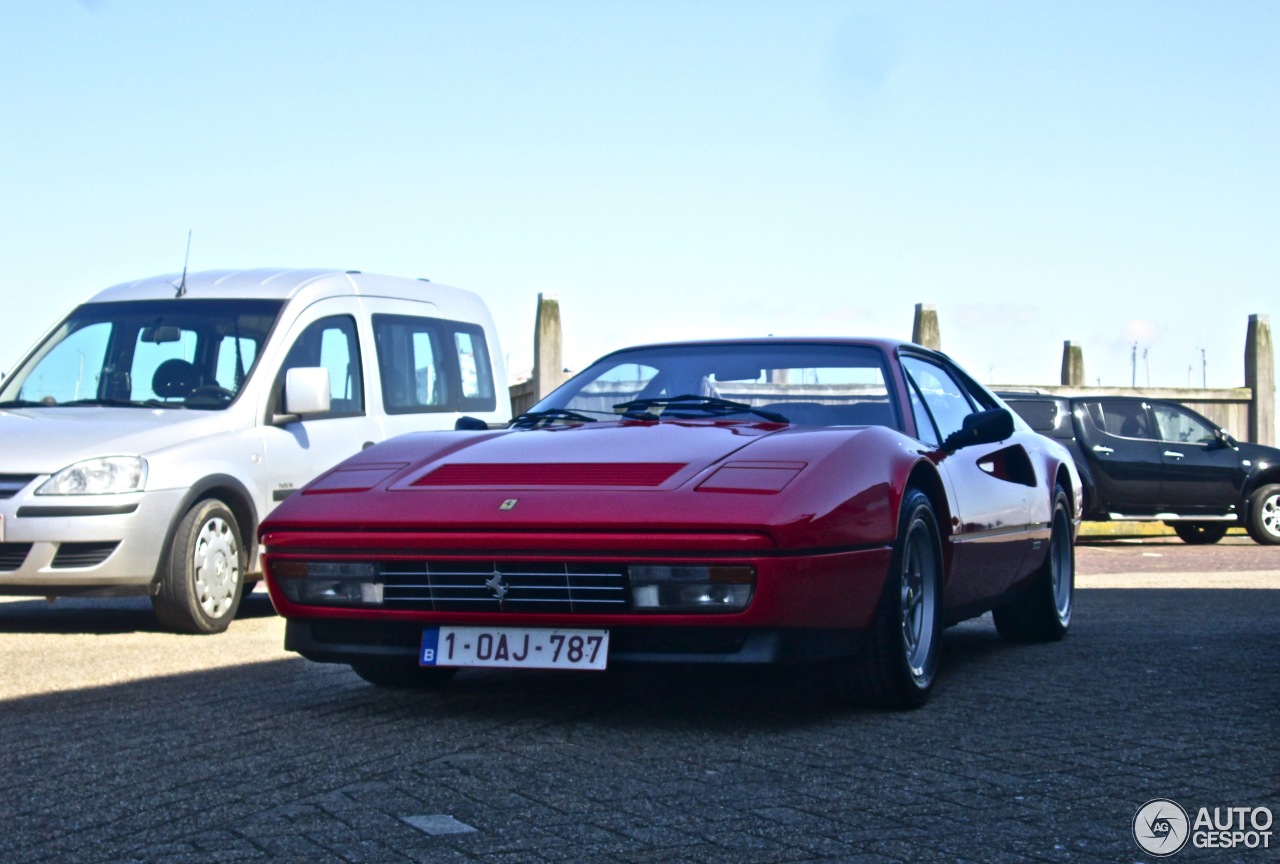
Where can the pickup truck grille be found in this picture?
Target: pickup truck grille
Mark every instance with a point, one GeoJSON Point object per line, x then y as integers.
{"type": "Point", "coordinates": [452, 586]}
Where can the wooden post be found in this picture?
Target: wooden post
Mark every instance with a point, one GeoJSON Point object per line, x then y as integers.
{"type": "Point", "coordinates": [925, 330]}
{"type": "Point", "coordinates": [1072, 365]}
{"type": "Point", "coordinates": [548, 368]}
{"type": "Point", "coordinates": [1260, 377]}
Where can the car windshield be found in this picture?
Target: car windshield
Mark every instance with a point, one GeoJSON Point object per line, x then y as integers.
{"type": "Point", "coordinates": [179, 353]}
{"type": "Point", "coordinates": [797, 383]}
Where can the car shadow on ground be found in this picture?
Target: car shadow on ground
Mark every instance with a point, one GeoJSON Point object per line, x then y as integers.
{"type": "Point", "coordinates": [101, 617]}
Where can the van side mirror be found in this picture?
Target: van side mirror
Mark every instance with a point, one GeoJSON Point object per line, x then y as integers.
{"type": "Point", "coordinates": [306, 391]}
{"type": "Point", "coordinates": [984, 427]}
{"type": "Point", "coordinates": [467, 423]}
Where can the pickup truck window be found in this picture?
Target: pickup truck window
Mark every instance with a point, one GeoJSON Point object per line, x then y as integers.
{"type": "Point", "coordinates": [1124, 419]}
{"type": "Point", "coordinates": [1177, 425]}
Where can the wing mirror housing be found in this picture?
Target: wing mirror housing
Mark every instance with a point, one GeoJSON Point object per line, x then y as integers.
{"type": "Point", "coordinates": [467, 423]}
{"type": "Point", "coordinates": [984, 427]}
{"type": "Point", "coordinates": [306, 391]}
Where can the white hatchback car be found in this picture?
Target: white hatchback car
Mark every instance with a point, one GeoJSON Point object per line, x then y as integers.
{"type": "Point", "coordinates": [148, 433]}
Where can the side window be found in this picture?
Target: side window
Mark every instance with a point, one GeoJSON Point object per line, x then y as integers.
{"type": "Point", "coordinates": [410, 364]}
{"type": "Point", "coordinates": [1123, 419]}
{"type": "Point", "coordinates": [472, 356]}
{"type": "Point", "coordinates": [430, 365]}
{"type": "Point", "coordinates": [1181, 426]}
{"type": "Point", "coordinates": [927, 432]}
{"type": "Point", "coordinates": [333, 344]}
{"type": "Point", "coordinates": [945, 399]}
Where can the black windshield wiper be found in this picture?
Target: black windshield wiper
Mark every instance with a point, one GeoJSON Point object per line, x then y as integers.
{"type": "Point", "coordinates": [638, 408]}
{"type": "Point", "coordinates": [25, 403]}
{"type": "Point", "coordinates": [532, 419]}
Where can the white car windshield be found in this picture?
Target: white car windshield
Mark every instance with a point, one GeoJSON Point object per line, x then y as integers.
{"type": "Point", "coordinates": [179, 353]}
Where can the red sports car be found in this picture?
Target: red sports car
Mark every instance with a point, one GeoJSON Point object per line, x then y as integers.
{"type": "Point", "coordinates": [832, 501]}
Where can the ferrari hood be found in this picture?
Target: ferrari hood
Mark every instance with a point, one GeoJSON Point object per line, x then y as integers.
{"type": "Point", "coordinates": [801, 486]}
{"type": "Point", "coordinates": [618, 455]}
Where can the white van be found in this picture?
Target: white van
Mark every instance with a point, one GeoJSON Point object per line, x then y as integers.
{"type": "Point", "coordinates": [147, 434]}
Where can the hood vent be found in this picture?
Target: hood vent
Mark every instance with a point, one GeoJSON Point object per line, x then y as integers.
{"type": "Point", "coordinates": [552, 474]}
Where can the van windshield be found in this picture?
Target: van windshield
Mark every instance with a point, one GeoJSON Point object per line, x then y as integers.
{"type": "Point", "coordinates": [146, 353]}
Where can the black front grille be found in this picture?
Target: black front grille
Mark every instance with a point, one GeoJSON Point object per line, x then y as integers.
{"type": "Point", "coordinates": [451, 586]}
{"type": "Point", "coordinates": [13, 554]}
{"type": "Point", "coordinates": [82, 554]}
{"type": "Point", "coordinates": [12, 484]}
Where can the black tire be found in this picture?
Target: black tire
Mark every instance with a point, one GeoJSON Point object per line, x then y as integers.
{"type": "Point", "coordinates": [1264, 514]}
{"type": "Point", "coordinates": [1043, 612]}
{"type": "Point", "coordinates": [203, 575]}
{"type": "Point", "coordinates": [899, 659]}
{"type": "Point", "coordinates": [402, 673]}
{"type": "Point", "coordinates": [1199, 533]}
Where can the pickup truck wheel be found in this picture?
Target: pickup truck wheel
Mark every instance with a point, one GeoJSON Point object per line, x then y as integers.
{"type": "Point", "coordinates": [1264, 514]}
{"type": "Point", "coordinates": [899, 658]}
{"type": "Point", "coordinates": [401, 672]}
{"type": "Point", "coordinates": [1198, 533]}
{"type": "Point", "coordinates": [1043, 613]}
{"type": "Point", "coordinates": [201, 582]}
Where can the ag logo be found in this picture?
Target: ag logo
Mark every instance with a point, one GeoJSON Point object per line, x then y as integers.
{"type": "Point", "coordinates": [1161, 827]}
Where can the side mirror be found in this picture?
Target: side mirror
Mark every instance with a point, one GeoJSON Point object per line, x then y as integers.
{"type": "Point", "coordinates": [470, 424]}
{"type": "Point", "coordinates": [306, 391]}
{"type": "Point", "coordinates": [1222, 438]}
{"type": "Point", "coordinates": [984, 427]}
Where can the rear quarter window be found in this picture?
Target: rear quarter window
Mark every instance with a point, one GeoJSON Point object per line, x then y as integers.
{"type": "Point", "coordinates": [431, 365]}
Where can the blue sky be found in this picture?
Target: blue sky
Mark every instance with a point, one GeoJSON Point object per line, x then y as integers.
{"type": "Point", "coordinates": [1099, 172]}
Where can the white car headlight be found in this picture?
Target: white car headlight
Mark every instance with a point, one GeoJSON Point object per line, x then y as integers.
{"type": "Point", "coordinates": [107, 475]}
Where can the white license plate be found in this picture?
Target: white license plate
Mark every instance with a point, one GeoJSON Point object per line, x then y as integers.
{"type": "Point", "coordinates": [514, 647]}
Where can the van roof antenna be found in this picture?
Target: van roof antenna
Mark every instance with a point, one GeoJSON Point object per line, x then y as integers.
{"type": "Point", "coordinates": [182, 286]}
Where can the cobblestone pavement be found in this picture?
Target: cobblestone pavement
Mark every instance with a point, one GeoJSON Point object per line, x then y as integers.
{"type": "Point", "coordinates": [124, 744]}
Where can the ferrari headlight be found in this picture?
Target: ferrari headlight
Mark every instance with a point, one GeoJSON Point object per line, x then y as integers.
{"type": "Point", "coordinates": [329, 583]}
{"type": "Point", "coordinates": [679, 588]}
{"type": "Point", "coordinates": [108, 475]}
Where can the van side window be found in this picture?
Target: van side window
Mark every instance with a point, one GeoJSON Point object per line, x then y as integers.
{"type": "Point", "coordinates": [431, 365]}
{"type": "Point", "coordinates": [333, 344]}
{"type": "Point", "coordinates": [473, 366]}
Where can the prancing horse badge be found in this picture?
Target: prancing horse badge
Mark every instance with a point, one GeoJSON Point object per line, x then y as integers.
{"type": "Point", "coordinates": [509, 504]}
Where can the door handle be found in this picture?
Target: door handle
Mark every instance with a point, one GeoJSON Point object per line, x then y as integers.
{"type": "Point", "coordinates": [1172, 454]}
{"type": "Point", "coordinates": [1105, 451]}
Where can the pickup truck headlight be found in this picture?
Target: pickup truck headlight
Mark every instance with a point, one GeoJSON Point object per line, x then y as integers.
{"type": "Point", "coordinates": [108, 475]}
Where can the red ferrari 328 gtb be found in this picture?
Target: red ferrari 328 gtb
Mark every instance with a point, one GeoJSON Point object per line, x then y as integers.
{"type": "Point", "coordinates": [833, 501]}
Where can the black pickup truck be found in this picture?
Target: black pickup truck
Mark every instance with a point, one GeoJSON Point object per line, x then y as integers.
{"type": "Point", "coordinates": [1146, 459]}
